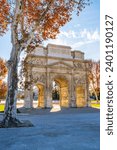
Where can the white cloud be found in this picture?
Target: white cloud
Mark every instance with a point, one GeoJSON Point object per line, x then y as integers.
{"type": "Point", "coordinates": [77, 25]}
{"type": "Point", "coordinates": [58, 41]}
{"type": "Point", "coordinates": [68, 34]}
{"type": "Point", "coordinates": [76, 45]}
{"type": "Point", "coordinates": [90, 35]}
{"type": "Point", "coordinates": [76, 39]}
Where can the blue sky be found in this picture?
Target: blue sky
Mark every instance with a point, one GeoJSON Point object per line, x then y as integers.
{"type": "Point", "coordinates": [81, 33]}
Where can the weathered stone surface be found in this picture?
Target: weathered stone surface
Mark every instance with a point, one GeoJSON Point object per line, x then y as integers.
{"type": "Point", "coordinates": [68, 129]}
{"type": "Point", "coordinates": [57, 63]}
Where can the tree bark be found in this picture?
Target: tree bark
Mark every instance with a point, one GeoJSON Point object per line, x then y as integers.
{"type": "Point", "coordinates": [9, 118]}
{"type": "Point", "coordinates": [10, 114]}
{"type": "Point", "coordinates": [95, 92]}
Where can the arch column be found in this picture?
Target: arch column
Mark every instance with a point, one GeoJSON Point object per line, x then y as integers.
{"type": "Point", "coordinates": [73, 94]}
{"type": "Point", "coordinates": [41, 102]}
{"type": "Point", "coordinates": [28, 103]}
{"type": "Point", "coordinates": [64, 96]}
{"type": "Point", "coordinates": [80, 96]}
{"type": "Point", "coordinates": [48, 92]}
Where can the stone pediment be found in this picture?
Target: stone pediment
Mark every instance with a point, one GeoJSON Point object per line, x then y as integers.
{"type": "Point", "coordinates": [60, 65]}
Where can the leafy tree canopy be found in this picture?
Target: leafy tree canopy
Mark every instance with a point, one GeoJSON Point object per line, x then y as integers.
{"type": "Point", "coordinates": [36, 20]}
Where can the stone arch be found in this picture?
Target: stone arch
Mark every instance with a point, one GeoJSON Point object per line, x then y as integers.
{"type": "Point", "coordinates": [41, 94]}
{"type": "Point", "coordinates": [64, 89]}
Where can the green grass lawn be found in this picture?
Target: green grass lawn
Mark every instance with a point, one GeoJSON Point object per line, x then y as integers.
{"type": "Point", "coordinates": [1, 107]}
{"type": "Point", "coordinates": [94, 104]}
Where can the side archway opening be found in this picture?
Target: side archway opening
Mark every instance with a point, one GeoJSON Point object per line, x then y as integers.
{"type": "Point", "coordinates": [38, 95]}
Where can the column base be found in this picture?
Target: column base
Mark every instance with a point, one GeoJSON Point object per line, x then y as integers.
{"type": "Point", "coordinates": [73, 103]}
{"type": "Point", "coordinates": [28, 104]}
{"type": "Point", "coordinates": [48, 103]}
{"type": "Point", "coordinates": [28, 101]}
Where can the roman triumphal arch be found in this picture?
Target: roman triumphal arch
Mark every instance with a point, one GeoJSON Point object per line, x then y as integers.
{"type": "Point", "coordinates": [66, 68]}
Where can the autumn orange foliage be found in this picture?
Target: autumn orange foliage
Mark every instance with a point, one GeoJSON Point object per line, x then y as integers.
{"type": "Point", "coordinates": [3, 90]}
{"type": "Point", "coordinates": [4, 15]}
{"type": "Point", "coordinates": [3, 69]}
{"type": "Point", "coordinates": [3, 72]}
{"type": "Point", "coordinates": [44, 17]}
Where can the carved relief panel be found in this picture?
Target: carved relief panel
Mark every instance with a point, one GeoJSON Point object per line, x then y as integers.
{"type": "Point", "coordinates": [79, 66]}
{"type": "Point", "coordinates": [81, 79]}
{"type": "Point", "coordinates": [39, 77]}
{"type": "Point", "coordinates": [36, 61]}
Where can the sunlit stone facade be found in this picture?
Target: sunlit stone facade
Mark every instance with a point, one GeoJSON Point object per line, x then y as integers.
{"type": "Point", "coordinates": [60, 64]}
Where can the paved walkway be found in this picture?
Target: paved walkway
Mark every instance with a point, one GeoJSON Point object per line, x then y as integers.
{"type": "Point", "coordinates": [68, 129]}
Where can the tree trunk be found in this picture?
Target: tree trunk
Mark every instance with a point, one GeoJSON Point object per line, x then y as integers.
{"type": "Point", "coordinates": [96, 96]}
{"type": "Point", "coordinates": [10, 114]}
{"type": "Point", "coordinates": [95, 93]}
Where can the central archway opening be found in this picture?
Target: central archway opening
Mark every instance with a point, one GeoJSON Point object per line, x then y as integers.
{"type": "Point", "coordinates": [55, 93]}
{"type": "Point", "coordinates": [60, 94]}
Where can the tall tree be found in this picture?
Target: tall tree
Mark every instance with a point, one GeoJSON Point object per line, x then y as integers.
{"type": "Point", "coordinates": [94, 77]}
{"type": "Point", "coordinates": [31, 22]}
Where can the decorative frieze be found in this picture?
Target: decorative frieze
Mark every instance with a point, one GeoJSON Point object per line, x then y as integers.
{"type": "Point", "coordinates": [38, 77]}
{"type": "Point", "coordinates": [36, 61]}
{"type": "Point", "coordinates": [79, 80]}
